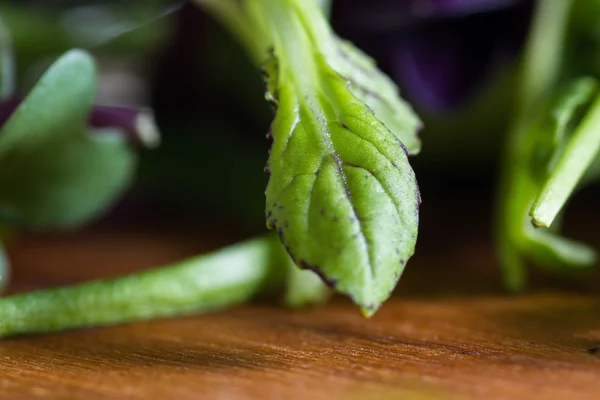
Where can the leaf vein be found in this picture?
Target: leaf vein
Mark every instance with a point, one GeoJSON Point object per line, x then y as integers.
{"type": "Point", "coordinates": [289, 138]}
{"type": "Point", "coordinates": [365, 241]}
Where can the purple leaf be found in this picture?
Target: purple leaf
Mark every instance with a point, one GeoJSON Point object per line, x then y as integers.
{"type": "Point", "coordinates": [440, 52]}
{"type": "Point", "coordinates": [136, 124]}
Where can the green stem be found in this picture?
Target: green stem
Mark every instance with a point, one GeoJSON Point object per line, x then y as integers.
{"type": "Point", "coordinates": [575, 160]}
{"type": "Point", "coordinates": [251, 21]}
{"type": "Point", "coordinates": [227, 277]}
{"type": "Point", "coordinates": [540, 68]}
{"type": "Point", "coordinates": [543, 54]}
{"type": "Point", "coordinates": [291, 41]}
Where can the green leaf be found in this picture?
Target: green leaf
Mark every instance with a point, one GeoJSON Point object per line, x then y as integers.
{"type": "Point", "coordinates": [54, 172]}
{"type": "Point", "coordinates": [247, 20]}
{"type": "Point", "coordinates": [341, 194]}
{"type": "Point", "coordinates": [380, 94]}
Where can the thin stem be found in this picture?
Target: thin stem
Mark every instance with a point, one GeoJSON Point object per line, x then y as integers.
{"type": "Point", "coordinates": [292, 42]}
{"type": "Point", "coordinates": [542, 57]}
{"type": "Point", "coordinates": [224, 278]}
{"type": "Point", "coordinates": [581, 150]}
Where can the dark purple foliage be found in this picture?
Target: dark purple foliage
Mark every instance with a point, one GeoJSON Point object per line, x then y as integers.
{"type": "Point", "coordinates": [135, 123]}
{"type": "Point", "coordinates": [439, 51]}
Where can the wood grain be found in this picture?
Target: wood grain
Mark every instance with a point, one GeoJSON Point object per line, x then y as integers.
{"type": "Point", "coordinates": [449, 334]}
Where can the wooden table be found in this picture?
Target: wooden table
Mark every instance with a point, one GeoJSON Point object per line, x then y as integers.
{"type": "Point", "coordinates": [449, 333]}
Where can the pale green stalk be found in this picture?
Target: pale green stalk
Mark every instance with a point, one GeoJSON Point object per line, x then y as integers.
{"type": "Point", "coordinates": [227, 277]}
{"type": "Point", "coordinates": [580, 152]}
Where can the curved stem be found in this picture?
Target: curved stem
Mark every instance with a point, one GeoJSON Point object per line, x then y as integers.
{"type": "Point", "coordinates": [543, 54]}
{"type": "Point", "coordinates": [227, 277]}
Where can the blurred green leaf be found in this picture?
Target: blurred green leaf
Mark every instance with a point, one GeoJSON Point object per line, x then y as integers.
{"type": "Point", "coordinates": [43, 29]}
{"type": "Point", "coordinates": [54, 171]}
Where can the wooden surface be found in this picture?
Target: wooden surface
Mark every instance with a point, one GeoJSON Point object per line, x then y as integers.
{"type": "Point", "coordinates": [449, 333]}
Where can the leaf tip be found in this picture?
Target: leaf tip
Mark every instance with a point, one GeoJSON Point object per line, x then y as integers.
{"type": "Point", "coordinates": [78, 56]}
{"type": "Point", "coordinates": [369, 310]}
